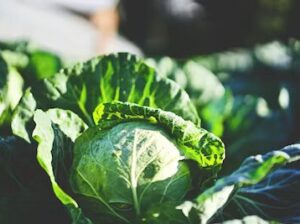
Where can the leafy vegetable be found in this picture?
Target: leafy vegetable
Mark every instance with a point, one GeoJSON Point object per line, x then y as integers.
{"type": "Point", "coordinates": [120, 144]}
{"type": "Point", "coordinates": [148, 164]}
{"type": "Point", "coordinates": [138, 158]}
{"type": "Point", "coordinates": [82, 87]}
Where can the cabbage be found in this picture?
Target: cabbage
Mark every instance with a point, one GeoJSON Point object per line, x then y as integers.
{"type": "Point", "coordinates": [127, 168]}
{"type": "Point", "coordinates": [120, 144]}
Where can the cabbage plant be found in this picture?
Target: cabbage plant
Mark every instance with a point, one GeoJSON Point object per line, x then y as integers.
{"type": "Point", "coordinates": [133, 167]}
{"type": "Point", "coordinates": [134, 159]}
{"type": "Point", "coordinates": [120, 144]}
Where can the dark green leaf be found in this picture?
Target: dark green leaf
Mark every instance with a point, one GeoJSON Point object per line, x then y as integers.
{"type": "Point", "coordinates": [252, 171]}
{"type": "Point", "coordinates": [275, 198]}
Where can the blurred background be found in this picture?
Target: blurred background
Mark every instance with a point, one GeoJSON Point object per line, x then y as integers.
{"type": "Point", "coordinates": [187, 27]}
{"type": "Point", "coordinates": [79, 29]}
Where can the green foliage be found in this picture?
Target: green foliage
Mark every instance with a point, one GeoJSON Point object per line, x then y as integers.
{"type": "Point", "coordinates": [148, 167]}
{"type": "Point", "coordinates": [11, 90]}
{"type": "Point", "coordinates": [260, 100]}
{"type": "Point", "coordinates": [252, 171]}
{"type": "Point", "coordinates": [82, 87]}
{"type": "Point", "coordinates": [33, 64]}
{"type": "Point", "coordinates": [111, 141]}
{"type": "Point", "coordinates": [21, 65]}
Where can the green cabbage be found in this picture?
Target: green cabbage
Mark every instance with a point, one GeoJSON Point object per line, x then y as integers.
{"type": "Point", "coordinates": [126, 169]}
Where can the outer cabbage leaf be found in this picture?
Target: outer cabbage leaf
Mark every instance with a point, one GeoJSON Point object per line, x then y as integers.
{"type": "Point", "coordinates": [54, 155]}
{"type": "Point", "coordinates": [196, 143]}
{"type": "Point", "coordinates": [22, 124]}
{"type": "Point", "coordinates": [120, 77]}
{"type": "Point", "coordinates": [69, 123]}
{"type": "Point", "coordinates": [275, 198]}
{"type": "Point", "coordinates": [252, 171]}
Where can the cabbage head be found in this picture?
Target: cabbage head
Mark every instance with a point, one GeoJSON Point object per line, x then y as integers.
{"type": "Point", "coordinates": [134, 160]}
{"type": "Point", "coordinates": [127, 168]}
